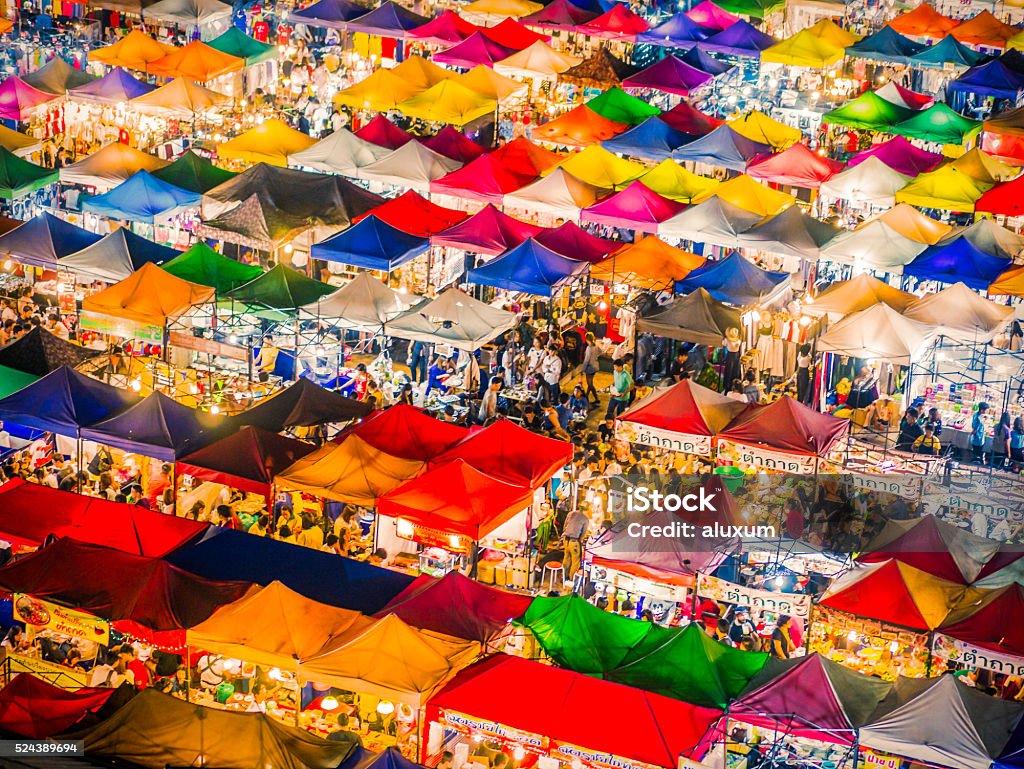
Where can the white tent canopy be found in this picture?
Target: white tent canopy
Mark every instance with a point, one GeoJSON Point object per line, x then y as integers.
{"type": "Point", "coordinates": [453, 318]}
{"type": "Point", "coordinates": [410, 167]}
{"type": "Point", "coordinates": [340, 153]}
{"type": "Point", "coordinates": [189, 11]}
{"type": "Point", "coordinates": [989, 237]}
{"type": "Point", "coordinates": [181, 97]}
{"type": "Point", "coordinates": [363, 304]}
{"type": "Point", "coordinates": [715, 221]}
{"type": "Point", "coordinates": [878, 332]}
{"type": "Point", "coordinates": [848, 296]}
{"type": "Point", "coordinates": [961, 313]}
{"type": "Point", "coordinates": [559, 193]}
{"type": "Point", "coordinates": [873, 245]}
{"type": "Point", "coordinates": [110, 166]}
{"type": "Point", "coordinates": [871, 182]}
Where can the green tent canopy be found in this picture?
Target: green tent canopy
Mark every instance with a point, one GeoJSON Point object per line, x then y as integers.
{"type": "Point", "coordinates": [193, 173]}
{"type": "Point", "coordinates": [281, 288]}
{"type": "Point", "coordinates": [938, 124]}
{"type": "Point", "coordinates": [615, 104]}
{"type": "Point", "coordinates": [12, 380]}
{"type": "Point", "coordinates": [202, 265]}
{"type": "Point", "coordinates": [19, 177]}
{"type": "Point", "coordinates": [869, 111]}
{"type": "Point", "coordinates": [756, 9]}
{"type": "Point", "coordinates": [235, 42]}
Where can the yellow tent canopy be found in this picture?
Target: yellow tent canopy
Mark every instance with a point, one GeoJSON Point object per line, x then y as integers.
{"type": "Point", "coordinates": [179, 97]}
{"type": "Point", "coordinates": [149, 295]}
{"type": "Point", "coordinates": [392, 660]}
{"type": "Point", "coordinates": [538, 60]}
{"type": "Point", "coordinates": [854, 295]}
{"type": "Point", "coordinates": [985, 168]}
{"type": "Point", "coordinates": [196, 61]}
{"type": "Point", "coordinates": [758, 127]}
{"type": "Point", "coordinates": [380, 92]}
{"type": "Point", "coordinates": [831, 33]}
{"type": "Point", "coordinates": [136, 50]}
{"type": "Point", "coordinates": [486, 82]}
{"type": "Point", "coordinates": [448, 102]}
{"type": "Point", "coordinates": [352, 471]}
{"type": "Point", "coordinates": [804, 50]}
{"type": "Point", "coordinates": [946, 189]}
{"type": "Point", "coordinates": [422, 74]}
{"type": "Point", "coordinates": [18, 143]}
{"type": "Point", "coordinates": [274, 626]}
{"type": "Point", "coordinates": [750, 195]}
{"type": "Point", "coordinates": [649, 263]}
{"type": "Point", "coordinates": [598, 167]}
{"type": "Point", "coordinates": [911, 223]}
{"type": "Point", "coordinates": [270, 142]}
{"type": "Point", "coordinates": [501, 9]}
{"type": "Point", "coordinates": [672, 181]}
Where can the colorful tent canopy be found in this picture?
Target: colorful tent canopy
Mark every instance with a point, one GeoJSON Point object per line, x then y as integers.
{"type": "Point", "coordinates": [791, 232]}
{"type": "Point", "coordinates": [414, 214]}
{"type": "Point", "coordinates": [991, 79]}
{"type": "Point", "coordinates": [705, 62]}
{"type": "Point", "coordinates": [422, 73]}
{"type": "Point", "coordinates": [989, 237]}
{"type": "Point", "coordinates": [669, 75]}
{"type": "Point", "coordinates": [579, 127]}
{"type": "Point", "coordinates": [679, 31]}
{"type": "Point", "coordinates": [984, 29]}
{"type": "Point", "coordinates": [1010, 283]}
{"type": "Point", "coordinates": [486, 82]}
{"type": "Point", "coordinates": [923, 21]}
{"type": "Point", "coordinates": [372, 244]}
{"type": "Point", "coordinates": [901, 156]}
{"type": "Point", "coordinates": [530, 268]}
{"type": "Point", "coordinates": [453, 318]}
{"type": "Point", "coordinates": [648, 263]}
{"type": "Point", "coordinates": [714, 221]}
{"type": "Point", "coordinates": [872, 182]}
{"type": "Point", "coordinates": [788, 426]}
{"type": "Point", "coordinates": [31, 707]}
{"type": "Point", "coordinates": [39, 352]}
{"type": "Point", "coordinates": [20, 177]}
{"type": "Point", "coordinates": [602, 169]}
{"type": "Point", "coordinates": [136, 50]}
{"type": "Point", "coordinates": [408, 432]}
{"type": "Point", "coordinates": [617, 105]}
{"type": "Point", "coordinates": [559, 14]}
{"type": "Point", "coordinates": [270, 142]}
{"type": "Point", "coordinates": [945, 189]}
{"type": "Point", "coordinates": [958, 261]}
{"type": "Point", "coordinates": [363, 304]}
{"type": "Point", "coordinates": [448, 102]}
{"type": "Point", "coordinates": [235, 42]}
{"type": "Point", "coordinates": [255, 222]}
{"type": "Point", "coordinates": [796, 166]}
{"type": "Point", "coordinates": [877, 332]}
{"type": "Point", "coordinates": [149, 296]}
{"type": "Point", "coordinates": [342, 152]}
{"type": "Point", "coordinates": [180, 97]}
{"type": "Point", "coordinates": [301, 404]}
{"type": "Point", "coordinates": [196, 61]}
{"type": "Point", "coordinates": [194, 173]}
{"type": "Point", "coordinates": [636, 207]}
{"type": "Point", "coordinates": [752, 196]}
{"type": "Point", "coordinates": [113, 88]}
{"type": "Point", "coordinates": [333, 14]}
{"type": "Point", "coordinates": [1007, 123]}
{"type": "Point", "coordinates": [741, 39]}
{"type": "Point", "coordinates": [804, 49]}
{"type": "Point", "coordinates": [142, 198]}
{"type": "Point", "coordinates": [389, 19]}
{"type": "Point", "coordinates": [902, 96]}
{"type": "Point", "coordinates": [475, 49]}
{"type": "Point", "coordinates": [569, 239]}
{"type": "Point", "coordinates": [538, 60]}
{"type": "Point", "coordinates": [724, 148]}
{"type": "Point", "coordinates": [18, 99]}
{"type": "Point", "coordinates": [110, 166]}
{"type": "Point", "coordinates": [909, 221]}
{"type": "Point", "coordinates": [761, 128]}
{"type": "Point", "coordinates": [868, 111]}
{"type": "Point", "coordinates": [205, 267]}
{"type": "Point", "coordinates": [885, 45]}
{"type": "Point", "coordinates": [711, 16]}
{"type": "Point", "coordinates": [20, 144]}
{"type": "Point", "coordinates": [874, 244]}
{"type": "Point", "coordinates": [948, 51]}
{"type": "Point", "coordinates": [673, 181]}
{"type": "Point", "coordinates": [503, 10]}
{"type": "Point", "coordinates": [411, 166]}
{"type": "Point", "coordinates": [756, 9]}
{"type": "Point", "coordinates": [488, 231]}
{"type": "Point", "coordinates": [380, 92]}
{"type": "Point", "coordinates": [485, 179]}
{"type": "Point", "coordinates": [189, 12]}
{"type": "Point", "coordinates": [601, 70]}
{"type": "Point", "coordinates": [451, 143]}
{"type": "Point", "coordinates": [446, 29]}
{"type": "Point", "coordinates": [859, 293]}
{"type": "Point", "coordinates": [117, 255]}
{"type": "Point", "coordinates": [514, 34]}
{"type": "Point", "coordinates": [559, 193]}
{"type": "Point", "coordinates": [280, 288]}
{"type": "Point", "coordinates": [697, 317]}
{"type": "Point", "coordinates": [1000, 199]}
{"type": "Point", "coordinates": [983, 623]}
{"type": "Point", "coordinates": [617, 23]}
{"type": "Point", "coordinates": [939, 124]}
{"type": "Point", "coordinates": [57, 77]}
{"type": "Point", "coordinates": [44, 239]}
{"type": "Point", "coordinates": [685, 408]}
{"type": "Point", "coordinates": [736, 281]}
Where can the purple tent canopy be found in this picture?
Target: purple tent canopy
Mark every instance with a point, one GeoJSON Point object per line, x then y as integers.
{"type": "Point", "coordinates": [560, 14]}
{"type": "Point", "coordinates": [488, 231]}
{"type": "Point", "coordinates": [113, 88]}
{"type": "Point", "coordinates": [637, 206]}
{"type": "Point", "coordinates": [474, 50]}
{"type": "Point", "coordinates": [901, 156]}
{"type": "Point", "coordinates": [705, 62]}
{"type": "Point", "coordinates": [329, 13]}
{"type": "Point", "coordinates": [670, 75]}
{"type": "Point", "coordinates": [573, 241]}
{"type": "Point", "coordinates": [389, 20]}
{"type": "Point", "coordinates": [528, 267]}
{"type": "Point", "coordinates": [678, 32]}
{"type": "Point", "coordinates": [741, 39]}
{"type": "Point", "coordinates": [18, 98]}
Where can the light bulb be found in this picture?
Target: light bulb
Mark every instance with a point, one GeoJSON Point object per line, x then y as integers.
{"type": "Point", "coordinates": [329, 703]}
{"type": "Point", "coordinates": [215, 409]}
{"type": "Point", "coordinates": [385, 707]}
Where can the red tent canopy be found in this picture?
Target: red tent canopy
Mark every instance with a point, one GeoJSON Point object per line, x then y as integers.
{"type": "Point", "coordinates": [458, 606]}
{"type": "Point", "coordinates": [510, 452]}
{"type": "Point", "coordinates": [412, 213]}
{"type": "Point", "coordinates": [797, 165]}
{"type": "Point", "coordinates": [787, 426]}
{"type": "Point", "coordinates": [456, 498]}
{"type": "Point", "coordinates": [686, 408]}
{"type": "Point", "coordinates": [446, 29]}
{"type": "Point", "coordinates": [129, 528]}
{"type": "Point", "coordinates": [513, 34]}
{"type": "Point", "coordinates": [454, 144]}
{"type": "Point", "coordinates": [559, 704]}
{"type": "Point", "coordinates": [384, 133]}
{"type": "Point", "coordinates": [248, 459]}
{"type": "Point", "coordinates": [1006, 198]}
{"type": "Point", "coordinates": [118, 586]}
{"type": "Point", "coordinates": [923, 21]}
{"type": "Point", "coordinates": [485, 179]}
{"type": "Point", "coordinates": [488, 231]}
{"type": "Point", "coordinates": [524, 157]}
{"type": "Point", "coordinates": [30, 707]}
{"type": "Point", "coordinates": [572, 241]}
{"type": "Point", "coordinates": [619, 23]}
{"type": "Point", "coordinates": [689, 120]}
{"type": "Point", "coordinates": [992, 622]}
{"type": "Point", "coordinates": [407, 432]}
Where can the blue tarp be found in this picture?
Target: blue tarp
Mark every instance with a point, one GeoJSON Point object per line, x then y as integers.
{"type": "Point", "coordinates": [389, 20]}
{"type": "Point", "coordinates": [991, 79]}
{"type": "Point", "coordinates": [113, 88]}
{"type": "Point", "coordinates": [392, 758]}
{"type": "Point", "coordinates": [958, 261]}
{"type": "Point", "coordinates": [653, 139]}
{"type": "Point", "coordinates": [225, 554]}
{"type": "Point", "coordinates": [529, 267]}
{"type": "Point", "coordinates": [741, 39]}
{"type": "Point", "coordinates": [735, 281]}
{"type": "Point", "coordinates": [329, 13]}
{"type": "Point", "coordinates": [63, 402]}
{"type": "Point", "coordinates": [723, 148]}
{"type": "Point", "coordinates": [704, 61]}
{"type": "Point", "coordinates": [372, 244]}
{"type": "Point", "coordinates": [678, 32]}
{"type": "Point", "coordinates": [948, 50]}
{"type": "Point", "coordinates": [117, 255]}
{"type": "Point", "coordinates": [885, 45]}
{"type": "Point", "coordinates": [142, 198]}
{"type": "Point", "coordinates": [44, 239]}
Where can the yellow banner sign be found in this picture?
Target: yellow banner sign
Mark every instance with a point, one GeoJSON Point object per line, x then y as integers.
{"type": "Point", "coordinates": [43, 615]}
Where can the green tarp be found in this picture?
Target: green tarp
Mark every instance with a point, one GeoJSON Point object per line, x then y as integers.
{"type": "Point", "coordinates": [19, 177]}
{"type": "Point", "coordinates": [615, 104]}
{"type": "Point", "coordinates": [868, 111]}
{"type": "Point", "coordinates": [12, 380]}
{"type": "Point", "coordinates": [685, 664]}
{"type": "Point", "coordinates": [202, 265]}
{"type": "Point", "coordinates": [236, 43]}
{"type": "Point", "coordinates": [281, 288]}
{"type": "Point", "coordinates": [193, 173]}
{"type": "Point", "coordinates": [938, 124]}
{"type": "Point", "coordinates": [756, 9]}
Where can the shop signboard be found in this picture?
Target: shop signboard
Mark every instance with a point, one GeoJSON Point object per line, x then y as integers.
{"type": "Point", "coordinates": [752, 598]}
{"type": "Point", "coordinates": [51, 672]}
{"type": "Point", "coordinates": [903, 485]}
{"type": "Point", "coordinates": [121, 328]}
{"type": "Point", "coordinates": [620, 580]}
{"type": "Point", "coordinates": [973, 656]}
{"type": "Point", "coordinates": [41, 615]}
{"type": "Point", "coordinates": [208, 346]}
{"type": "Point", "coordinates": [766, 459]}
{"type": "Point", "coordinates": [593, 758]}
{"type": "Point", "coordinates": [470, 725]}
{"type": "Point", "coordinates": [645, 435]}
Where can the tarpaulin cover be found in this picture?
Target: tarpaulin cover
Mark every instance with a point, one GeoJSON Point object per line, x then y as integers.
{"type": "Point", "coordinates": [654, 139]}
{"type": "Point", "coordinates": [939, 124]}
{"type": "Point", "coordinates": [885, 45]}
{"type": "Point", "coordinates": [44, 239]}
{"type": "Point", "coordinates": [342, 152]}
{"type": "Point", "coordinates": [961, 313]}
{"type": "Point", "coordinates": [329, 13]}
{"type": "Point", "coordinates": [196, 61]}
{"type": "Point", "coordinates": [901, 156]}
{"type": "Point", "coordinates": [868, 111]}
{"type": "Point", "coordinates": [811, 697]}
{"type": "Point", "coordinates": [235, 42]}
{"type": "Point", "coordinates": [39, 352]}
{"type": "Point", "coordinates": [910, 222]}
{"type": "Point", "coordinates": [457, 606]}
{"type": "Point", "coordinates": [685, 407]}
{"type": "Point", "coordinates": [983, 623]}
{"type": "Point", "coordinates": [669, 75]}
{"type": "Point", "coordinates": [984, 29]}
{"type": "Point", "coordinates": [871, 181]}
{"type": "Point", "coordinates": [791, 232]}
{"type": "Point", "coordinates": [182, 731]}
{"type": "Point", "coordinates": [796, 166]}
{"type": "Point", "coordinates": [372, 244]}
{"type": "Point", "coordinates": [979, 165]}
{"type": "Point", "coordinates": [874, 244]}
{"type": "Point", "coordinates": [559, 193]}
{"type": "Point", "coordinates": [752, 196]}
{"type": "Point", "coordinates": [135, 51]}
{"type": "Point", "coordinates": [671, 180]}
{"type": "Point", "coordinates": [648, 263]}
{"type": "Point", "coordinates": [451, 143]}
{"type": "Point", "coordinates": [380, 92]}
{"type": "Point", "coordinates": [537, 60]}
{"type": "Point", "coordinates": [711, 16]}
{"type": "Point", "coordinates": [679, 31]}
{"type": "Point", "coordinates": [189, 12]}
{"type": "Point", "coordinates": [20, 144]}
{"type": "Point", "coordinates": [110, 166]}
{"type": "Point", "coordinates": [57, 77]}
{"type": "Point", "coordinates": [149, 295]}
{"type": "Point", "coordinates": [529, 267]}
{"type": "Point", "coordinates": [501, 9]}
{"type": "Point", "coordinates": [248, 459]}
{"type": "Point", "coordinates": [225, 554]}
{"type": "Point", "coordinates": [714, 221]}
{"type": "Point", "coordinates": [723, 147]}
{"type": "Point", "coordinates": [947, 51]}
{"type": "Point", "coordinates": [957, 261]}
{"type": "Point", "coordinates": [115, 87]}
{"type": "Point", "coordinates": [193, 172]}
{"type": "Point", "coordinates": [653, 729]}
{"type": "Point", "coordinates": [302, 404]}
{"type": "Point", "coordinates": [475, 49]}
{"type": "Point", "coordinates": [19, 177]}
{"type": "Point", "coordinates": [511, 453]}
{"type": "Point", "coordinates": [804, 49]}
{"type": "Point", "coordinates": [453, 318]}
{"type": "Point", "coordinates": [446, 29]}
{"type": "Point", "coordinates": [204, 266]}
{"type": "Point", "coordinates": [617, 23]}
{"type": "Point", "coordinates": [182, 98]}
{"type": "Point", "coordinates": [255, 222]}
{"type": "Point", "coordinates": [31, 707]}
{"type": "Point", "coordinates": [488, 231]}
{"type": "Point", "coordinates": [636, 207]}
{"type": "Point", "coordinates": [1010, 283]}
{"type": "Point", "coordinates": [387, 20]}
{"type": "Point", "coordinates": [18, 99]}
{"type": "Point", "coordinates": [281, 288]}
{"type": "Point", "coordinates": [704, 61]}
{"type": "Point", "coordinates": [116, 585]}
{"type": "Point", "coordinates": [697, 317]}
{"type": "Point", "coordinates": [601, 168]}
{"type": "Point", "coordinates": [408, 432]}
{"type": "Point", "coordinates": [859, 293]}
{"type": "Point", "coordinates": [923, 21]}
{"type": "Point", "coordinates": [448, 102]}
{"type": "Point", "coordinates": [601, 70]}
{"type": "Point", "coordinates": [413, 213]}
{"type": "Point", "coordinates": [946, 189]}
{"type": "Point", "coordinates": [904, 97]}
{"type": "Point", "coordinates": [579, 127]}
{"type": "Point", "coordinates": [571, 240]}
{"type": "Point", "coordinates": [560, 13]}
{"type": "Point", "coordinates": [787, 425]}
{"type": "Point", "coordinates": [117, 255]}
{"type": "Point", "coordinates": [619, 106]}
{"type": "Point", "coordinates": [991, 79]}
{"type": "Point", "coordinates": [741, 39]}
{"type": "Point", "coordinates": [270, 142]}
{"type": "Point", "coordinates": [878, 332]}
{"type": "Point", "coordinates": [142, 198]}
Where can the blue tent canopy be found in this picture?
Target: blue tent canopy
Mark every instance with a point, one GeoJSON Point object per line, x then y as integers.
{"type": "Point", "coordinates": [388, 20]}
{"type": "Point", "coordinates": [225, 554]}
{"type": "Point", "coordinates": [948, 50]}
{"type": "Point", "coordinates": [44, 239]}
{"type": "Point", "coordinates": [741, 39]}
{"type": "Point", "coordinates": [680, 31]}
{"type": "Point", "coordinates": [117, 255]}
{"type": "Point", "coordinates": [735, 281]}
{"type": "Point", "coordinates": [158, 427]}
{"type": "Point", "coordinates": [113, 88]}
{"type": "Point", "coordinates": [958, 261]}
{"type": "Point", "coordinates": [142, 198]}
{"type": "Point", "coordinates": [529, 267]}
{"type": "Point", "coordinates": [392, 758]}
{"type": "Point", "coordinates": [373, 244]}
{"type": "Point", "coordinates": [653, 139]}
{"type": "Point", "coordinates": [991, 79]}
{"type": "Point", "coordinates": [723, 148]}
{"type": "Point", "coordinates": [63, 402]}
{"type": "Point", "coordinates": [885, 45]}
{"type": "Point", "coordinates": [704, 61]}
{"type": "Point", "coordinates": [329, 13]}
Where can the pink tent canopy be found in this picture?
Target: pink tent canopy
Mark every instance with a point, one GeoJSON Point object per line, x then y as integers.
{"type": "Point", "coordinates": [560, 14]}
{"type": "Point", "coordinates": [474, 50]}
{"type": "Point", "coordinates": [485, 179]}
{"type": "Point", "coordinates": [488, 231]}
{"type": "Point", "coordinates": [574, 242]}
{"type": "Point", "coordinates": [18, 98]}
{"type": "Point", "coordinates": [447, 29]}
{"type": "Point", "coordinates": [670, 75]}
{"type": "Point", "coordinates": [689, 120]}
{"type": "Point", "coordinates": [709, 15]}
{"type": "Point", "coordinates": [453, 144]}
{"type": "Point", "coordinates": [901, 156]}
{"type": "Point", "coordinates": [637, 206]}
{"type": "Point", "coordinates": [619, 23]}
{"type": "Point", "coordinates": [797, 165]}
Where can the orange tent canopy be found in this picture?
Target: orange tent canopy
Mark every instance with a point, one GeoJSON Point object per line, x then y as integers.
{"type": "Point", "coordinates": [578, 127]}
{"type": "Point", "coordinates": [649, 263]}
{"type": "Point", "coordinates": [984, 29]}
{"type": "Point", "coordinates": [196, 61]}
{"type": "Point", "coordinates": [136, 50]}
{"type": "Point", "coordinates": [923, 21]}
{"type": "Point", "coordinates": [149, 295]}
{"type": "Point", "coordinates": [1009, 283]}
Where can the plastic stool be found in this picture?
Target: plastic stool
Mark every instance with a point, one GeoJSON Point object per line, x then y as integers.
{"type": "Point", "coordinates": [550, 569]}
